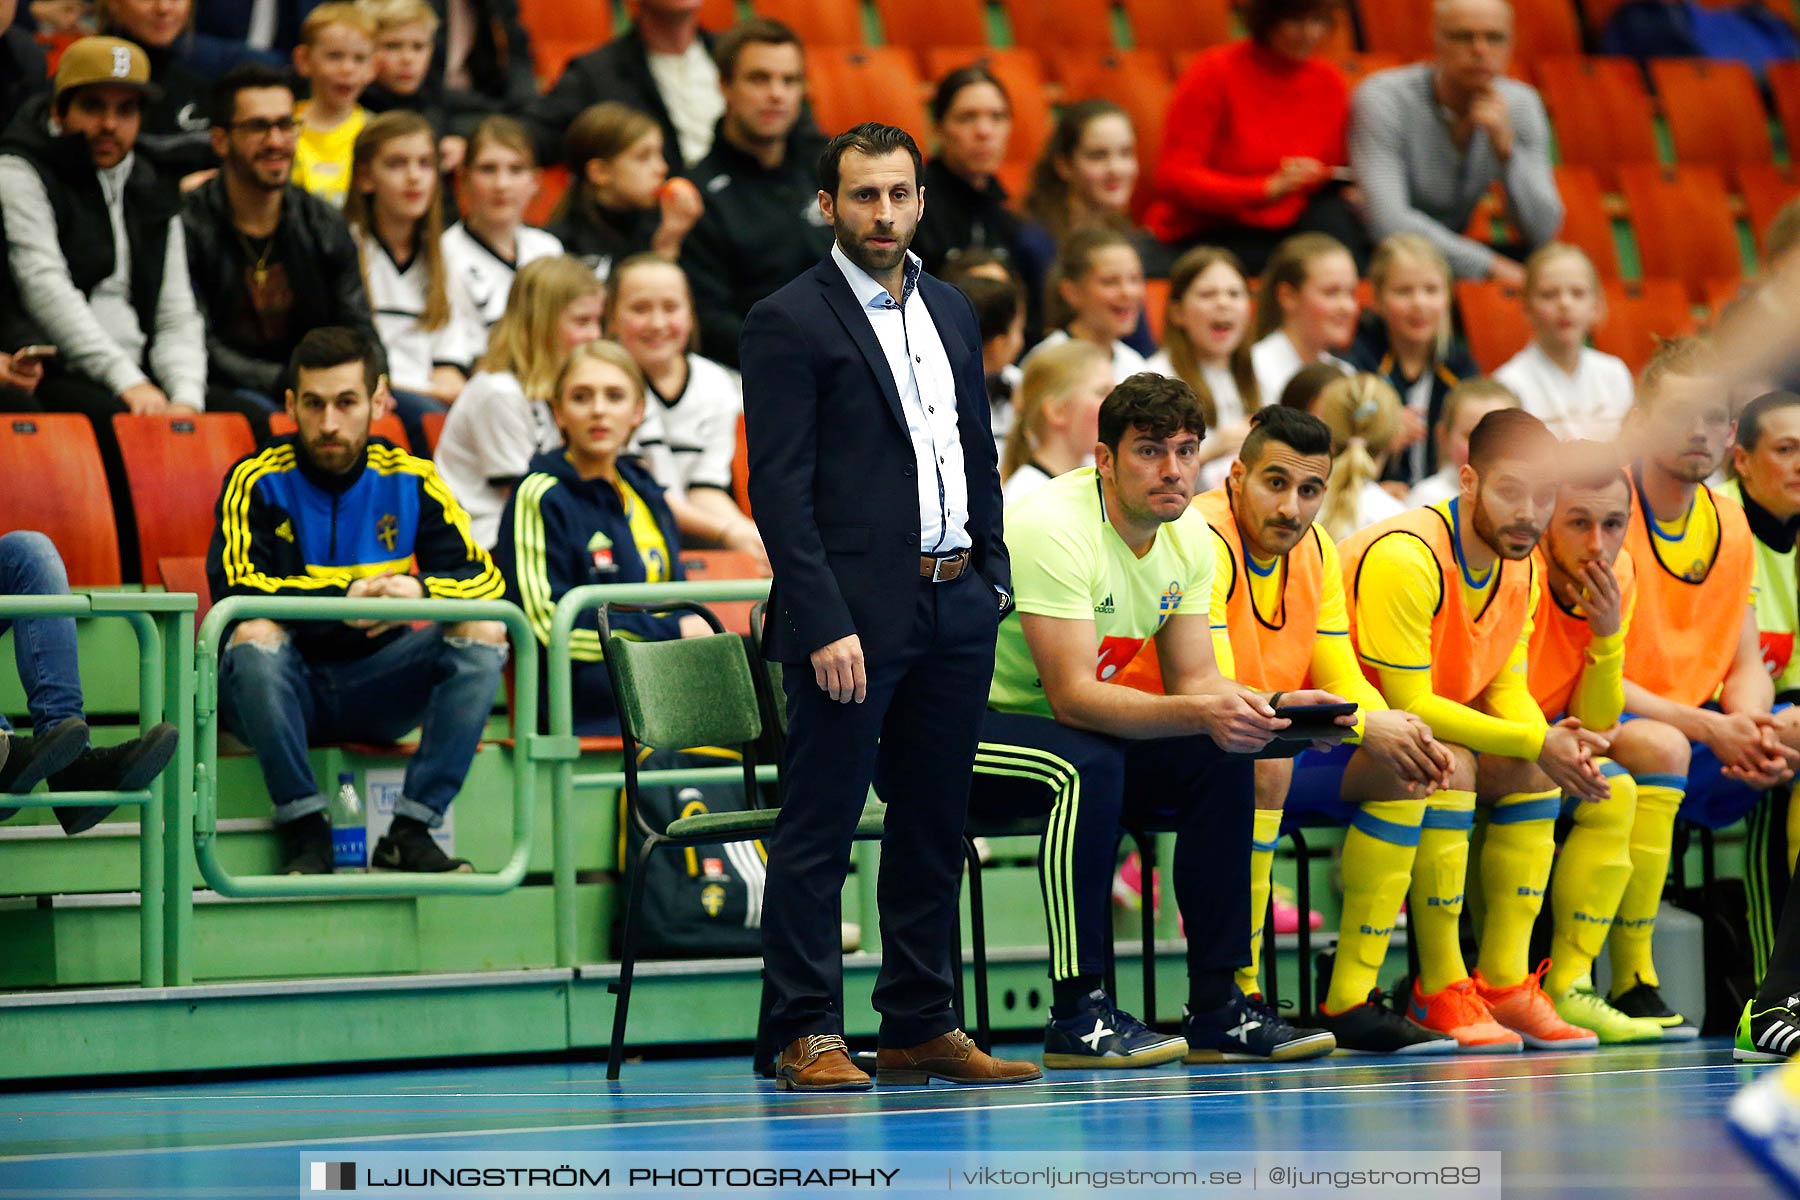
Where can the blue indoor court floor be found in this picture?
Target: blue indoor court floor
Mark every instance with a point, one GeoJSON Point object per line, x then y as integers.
{"type": "Point", "coordinates": [1618, 1122]}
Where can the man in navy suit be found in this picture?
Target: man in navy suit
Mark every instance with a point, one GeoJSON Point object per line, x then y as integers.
{"type": "Point", "coordinates": [873, 475]}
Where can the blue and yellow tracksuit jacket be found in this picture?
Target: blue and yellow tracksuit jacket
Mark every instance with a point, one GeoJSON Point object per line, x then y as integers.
{"type": "Point", "coordinates": [287, 529]}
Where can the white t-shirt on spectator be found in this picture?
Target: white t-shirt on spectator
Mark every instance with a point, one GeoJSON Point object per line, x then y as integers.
{"type": "Point", "coordinates": [486, 276]}
{"type": "Point", "coordinates": [1591, 403]}
{"type": "Point", "coordinates": [690, 441]}
{"type": "Point", "coordinates": [1435, 489]}
{"type": "Point", "coordinates": [689, 86]}
{"type": "Point", "coordinates": [490, 437]}
{"type": "Point", "coordinates": [1228, 402]}
{"type": "Point", "coordinates": [1022, 482]}
{"type": "Point", "coordinates": [1376, 503]}
{"type": "Point", "coordinates": [1126, 362]}
{"type": "Point", "coordinates": [1276, 361]}
{"type": "Point", "coordinates": [397, 295]}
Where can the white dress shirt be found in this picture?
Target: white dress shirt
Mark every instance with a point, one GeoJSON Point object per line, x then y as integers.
{"type": "Point", "coordinates": [927, 387]}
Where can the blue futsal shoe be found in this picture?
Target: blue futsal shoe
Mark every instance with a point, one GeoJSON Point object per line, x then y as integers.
{"type": "Point", "coordinates": [1100, 1036]}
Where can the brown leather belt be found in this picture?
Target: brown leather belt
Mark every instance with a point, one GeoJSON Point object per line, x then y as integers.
{"type": "Point", "coordinates": [942, 570]}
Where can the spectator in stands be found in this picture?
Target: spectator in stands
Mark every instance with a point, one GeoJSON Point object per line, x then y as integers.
{"type": "Point", "coordinates": [1000, 312]}
{"type": "Point", "coordinates": [406, 33]}
{"type": "Point", "coordinates": [1363, 413]}
{"type": "Point", "coordinates": [267, 259]}
{"type": "Point", "coordinates": [44, 648]}
{"type": "Point", "coordinates": [1255, 143]}
{"type": "Point", "coordinates": [428, 324]}
{"type": "Point", "coordinates": [1406, 339]}
{"type": "Point", "coordinates": [587, 513]}
{"type": "Point", "coordinates": [483, 55]}
{"type": "Point", "coordinates": [1577, 391]}
{"type": "Point", "coordinates": [1084, 176]}
{"type": "Point", "coordinates": [96, 262]}
{"type": "Point", "coordinates": [227, 32]}
{"type": "Point", "coordinates": [19, 376]}
{"type": "Point", "coordinates": [23, 71]}
{"type": "Point", "coordinates": [336, 56]}
{"type": "Point", "coordinates": [762, 224]}
{"type": "Point", "coordinates": [174, 132]}
{"type": "Point", "coordinates": [1428, 140]}
{"type": "Point", "coordinates": [1302, 391]}
{"type": "Point", "coordinates": [1098, 296]}
{"type": "Point", "coordinates": [1464, 406]}
{"type": "Point", "coordinates": [689, 436]}
{"type": "Point", "coordinates": [621, 200]}
{"type": "Point", "coordinates": [1058, 416]}
{"type": "Point", "coordinates": [1750, 32]}
{"type": "Point", "coordinates": [268, 262]}
{"type": "Point", "coordinates": [971, 117]}
{"type": "Point", "coordinates": [663, 65]}
{"type": "Point", "coordinates": [502, 419]}
{"type": "Point", "coordinates": [1306, 311]}
{"type": "Point", "coordinates": [1206, 342]}
{"type": "Point", "coordinates": [492, 241]}
{"type": "Point", "coordinates": [328, 511]}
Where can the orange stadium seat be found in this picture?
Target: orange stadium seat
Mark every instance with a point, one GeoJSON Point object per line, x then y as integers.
{"type": "Point", "coordinates": [725, 564]}
{"type": "Point", "coordinates": [1600, 111]}
{"type": "Point", "coordinates": [388, 427]}
{"type": "Point", "coordinates": [433, 424]}
{"type": "Point", "coordinates": [51, 480]}
{"type": "Point", "coordinates": [1586, 223]}
{"type": "Point", "coordinates": [1021, 72]}
{"type": "Point", "coordinates": [922, 24]}
{"type": "Point", "coordinates": [851, 85]}
{"type": "Point", "coordinates": [1542, 27]}
{"type": "Point", "coordinates": [1358, 67]}
{"type": "Point", "coordinates": [187, 573]}
{"type": "Point", "coordinates": [1682, 219]}
{"type": "Point", "coordinates": [1177, 25]}
{"type": "Point", "coordinates": [819, 23]}
{"type": "Point", "coordinates": [1714, 111]}
{"type": "Point", "coordinates": [1766, 188]}
{"type": "Point", "coordinates": [561, 30]}
{"type": "Point", "coordinates": [1784, 89]}
{"type": "Point", "coordinates": [1597, 12]}
{"type": "Point", "coordinates": [1137, 81]}
{"type": "Point", "coordinates": [740, 469]}
{"type": "Point", "coordinates": [1641, 314]}
{"type": "Point", "coordinates": [1156, 305]}
{"type": "Point", "coordinates": [1493, 321]}
{"type": "Point", "coordinates": [1720, 294]}
{"type": "Point", "coordinates": [1403, 27]}
{"type": "Point", "coordinates": [716, 16]}
{"type": "Point", "coordinates": [174, 466]}
{"type": "Point", "coordinates": [1398, 27]}
{"type": "Point", "coordinates": [552, 183]}
{"type": "Point", "coordinates": [1046, 25]}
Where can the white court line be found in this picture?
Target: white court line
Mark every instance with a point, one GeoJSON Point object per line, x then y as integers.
{"type": "Point", "coordinates": [764, 1118]}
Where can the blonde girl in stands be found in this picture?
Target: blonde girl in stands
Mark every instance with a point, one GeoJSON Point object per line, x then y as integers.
{"type": "Point", "coordinates": [1206, 341]}
{"type": "Point", "coordinates": [1306, 311]}
{"type": "Point", "coordinates": [1363, 414]}
{"type": "Point", "coordinates": [503, 419]}
{"type": "Point", "coordinates": [1057, 419]}
{"type": "Point", "coordinates": [487, 247]}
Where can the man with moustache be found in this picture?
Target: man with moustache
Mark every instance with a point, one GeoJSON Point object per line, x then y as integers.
{"type": "Point", "coordinates": [873, 467]}
{"type": "Point", "coordinates": [1441, 604]}
{"type": "Point", "coordinates": [269, 261]}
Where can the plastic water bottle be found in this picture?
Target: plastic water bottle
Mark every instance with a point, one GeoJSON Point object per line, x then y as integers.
{"type": "Point", "coordinates": [349, 827]}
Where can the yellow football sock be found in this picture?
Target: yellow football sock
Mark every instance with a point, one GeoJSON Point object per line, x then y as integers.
{"type": "Point", "coordinates": [1793, 827]}
{"type": "Point", "coordinates": [1265, 830]}
{"type": "Point", "coordinates": [1377, 863]}
{"type": "Point", "coordinates": [1790, 1078]}
{"type": "Point", "coordinates": [1591, 874]}
{"type": "Point", "coordinates": [1515, 870]}
{"type": "Point", "coordinates": [1439, 870]}
{"type": "Point", "coordinates": [1652, 830]}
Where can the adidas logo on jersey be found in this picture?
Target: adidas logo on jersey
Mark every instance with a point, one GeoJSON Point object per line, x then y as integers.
{"type": "Point", "coordinates": [1105, 606]}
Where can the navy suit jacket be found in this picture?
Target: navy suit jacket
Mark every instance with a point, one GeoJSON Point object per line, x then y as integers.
{"type": "Point", "coordinates": [833, 479]}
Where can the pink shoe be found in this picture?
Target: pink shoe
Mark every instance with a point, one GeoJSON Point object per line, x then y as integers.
{"type": "Point", "coordinates": [1287, 913]}
{"type": "Point", "coordinates": [1128, 886]}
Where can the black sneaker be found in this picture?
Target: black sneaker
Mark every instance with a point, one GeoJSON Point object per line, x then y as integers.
{"type": "Point", "coordinates": [1373, 1028]}
{"type": "Point", "coordinates": [31, 760]}
{"type": "Point", "coordinates": [409, 846]}
{"type": "Point", "coordinates": [1245, 1032]}
{"type": "Point", "coordinates": [1101, 1035]}
{"type": "Point", "coordinates": [127, 767]}
{"type": "Point", "coordinates": [1643, 1000]}
{"type": "Point", "coordinates": [305, 846]}
{"type": "Point", "coordinates": [1772, 1035]}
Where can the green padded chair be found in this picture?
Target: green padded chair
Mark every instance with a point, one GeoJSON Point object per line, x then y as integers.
{"type": "Point", "coordinates": [678, 695]}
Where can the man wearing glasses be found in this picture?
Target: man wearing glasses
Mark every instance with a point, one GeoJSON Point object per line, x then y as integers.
{"type": "Point", "coordinates": [269, 261]}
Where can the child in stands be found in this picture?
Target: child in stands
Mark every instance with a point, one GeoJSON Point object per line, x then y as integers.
{"type": "Point", "coordinates": [1306, 312]}
{"type": "Point", "coordinates": [336, 56]}
{"type": "Point", "coordinates": [1574, 389]}
{"type": "Point", "coordinates": [621, 200]}
{"type": "Point", "coordinates": [1096, 295]}
{"type": "Point", "coordinates": [489, 245]}
{"type": "Point", "coordinates": [1206, 341]}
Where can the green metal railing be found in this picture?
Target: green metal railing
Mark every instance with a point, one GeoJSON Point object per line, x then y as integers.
{"type": "Point", "coordinates": [561, 748]}
{"type": "Point", "coordinates": [164, 629]}
{"type": "Point", "coordinates": [529, 747]}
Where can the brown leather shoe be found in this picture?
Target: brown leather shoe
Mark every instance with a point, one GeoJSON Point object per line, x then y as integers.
{"type": "Point", "coordinates": [953, 1058]}
{"type": "Point", "coordinates": [820, 1063]}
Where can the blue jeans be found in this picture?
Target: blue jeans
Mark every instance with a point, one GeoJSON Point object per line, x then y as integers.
{"type": "Point", "coordinates": [275, 700]}
{"type": "Point", "coordinates": [44, 647]}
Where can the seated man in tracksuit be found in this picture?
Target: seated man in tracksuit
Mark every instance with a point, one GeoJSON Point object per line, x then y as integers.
{"type": "Point", "coordinates": [329, 511]}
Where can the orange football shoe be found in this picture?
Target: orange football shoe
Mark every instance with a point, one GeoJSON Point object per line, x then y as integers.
{"type": "Point", "coordinates": [1459, 1012]}
{"type": "Point", "coordinates": [1527, 1010]}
